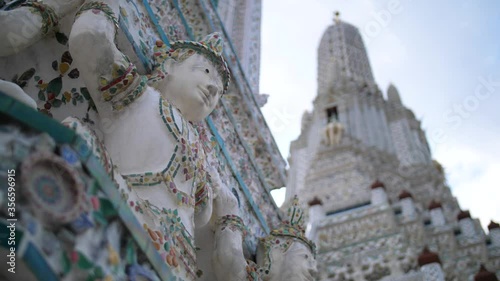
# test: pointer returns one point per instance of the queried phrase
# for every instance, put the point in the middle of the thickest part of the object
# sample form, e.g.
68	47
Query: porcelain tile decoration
150	144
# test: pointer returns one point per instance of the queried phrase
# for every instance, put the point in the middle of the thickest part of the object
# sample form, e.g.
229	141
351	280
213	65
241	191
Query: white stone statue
285	254
25	24
333	133
147	129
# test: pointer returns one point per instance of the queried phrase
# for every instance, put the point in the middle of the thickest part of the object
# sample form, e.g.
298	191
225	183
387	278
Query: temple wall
235	135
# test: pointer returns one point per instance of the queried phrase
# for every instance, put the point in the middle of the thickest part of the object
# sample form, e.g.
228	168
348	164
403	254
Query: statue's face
296	264
194	86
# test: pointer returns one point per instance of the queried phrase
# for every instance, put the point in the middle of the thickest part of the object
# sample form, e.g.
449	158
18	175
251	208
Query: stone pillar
316	214
407	205
436	212
379	196
494	233
485	275
430	266
466	224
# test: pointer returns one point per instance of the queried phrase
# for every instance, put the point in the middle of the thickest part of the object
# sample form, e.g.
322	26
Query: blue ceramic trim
214	130
135	6
36	262
252	160
244	187
240	68
247	149
183	19
144	60
155	22
250	156
31	117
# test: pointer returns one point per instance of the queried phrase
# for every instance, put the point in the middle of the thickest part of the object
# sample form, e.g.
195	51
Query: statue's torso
159	156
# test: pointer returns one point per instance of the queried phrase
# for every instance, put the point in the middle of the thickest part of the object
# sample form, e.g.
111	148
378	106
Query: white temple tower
384	199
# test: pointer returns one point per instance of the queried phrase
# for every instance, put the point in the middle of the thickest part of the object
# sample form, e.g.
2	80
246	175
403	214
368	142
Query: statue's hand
225	203
216	182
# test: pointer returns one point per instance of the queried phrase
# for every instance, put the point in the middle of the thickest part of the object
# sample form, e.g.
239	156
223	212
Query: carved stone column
466	224
316	214
430	266
407	205
494	229
379	196
436	212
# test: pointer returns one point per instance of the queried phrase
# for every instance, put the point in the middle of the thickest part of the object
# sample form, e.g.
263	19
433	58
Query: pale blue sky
437	54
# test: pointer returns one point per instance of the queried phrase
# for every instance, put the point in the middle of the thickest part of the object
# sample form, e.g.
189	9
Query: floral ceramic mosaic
47	73
65	217
169	19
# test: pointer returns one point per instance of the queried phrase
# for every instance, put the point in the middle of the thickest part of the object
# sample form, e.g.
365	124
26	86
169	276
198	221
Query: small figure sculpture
146	123
285	254
333	132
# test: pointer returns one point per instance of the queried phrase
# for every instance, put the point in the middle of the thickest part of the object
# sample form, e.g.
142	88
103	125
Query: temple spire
393	94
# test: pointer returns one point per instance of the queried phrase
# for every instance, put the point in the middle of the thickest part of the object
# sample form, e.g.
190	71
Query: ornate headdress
290	230
210	47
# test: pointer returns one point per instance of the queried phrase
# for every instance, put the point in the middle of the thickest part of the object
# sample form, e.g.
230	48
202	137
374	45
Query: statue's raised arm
107	72
26	22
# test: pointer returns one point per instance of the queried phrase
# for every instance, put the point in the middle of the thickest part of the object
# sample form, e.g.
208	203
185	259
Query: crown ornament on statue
294	215
210	47
290	230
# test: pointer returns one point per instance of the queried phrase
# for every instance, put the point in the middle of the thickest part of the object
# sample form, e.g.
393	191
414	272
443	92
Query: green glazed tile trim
39	267
5	104
97	171
36	120
81	147
61	134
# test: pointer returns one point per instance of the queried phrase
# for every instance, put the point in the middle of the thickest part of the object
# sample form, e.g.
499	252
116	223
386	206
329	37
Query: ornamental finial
337	16
294	215
292	227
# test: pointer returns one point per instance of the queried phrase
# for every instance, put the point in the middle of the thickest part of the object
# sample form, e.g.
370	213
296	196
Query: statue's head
192	75
286	254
